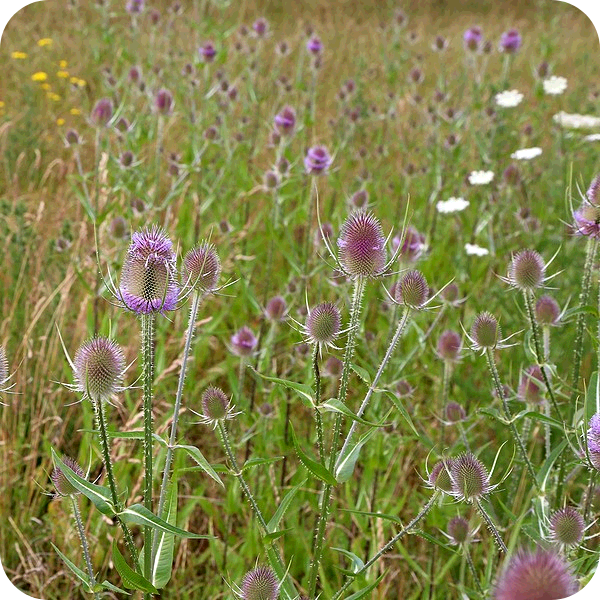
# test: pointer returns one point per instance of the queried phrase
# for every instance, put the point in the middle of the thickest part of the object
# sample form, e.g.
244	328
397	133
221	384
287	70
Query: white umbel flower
555	85
509	98
475	250
481	177
594	137
452	205
575	121
526	153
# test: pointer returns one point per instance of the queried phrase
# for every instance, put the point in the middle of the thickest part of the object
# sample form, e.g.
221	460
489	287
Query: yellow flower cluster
19	55
78	82
44	42
62	74
39	76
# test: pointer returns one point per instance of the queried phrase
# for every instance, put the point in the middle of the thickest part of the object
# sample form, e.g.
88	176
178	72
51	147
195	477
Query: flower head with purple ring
587	220
593	441
285	120
243	342
207	52
135	7
148	282
473	38
261	27
314	45
510	41
317	160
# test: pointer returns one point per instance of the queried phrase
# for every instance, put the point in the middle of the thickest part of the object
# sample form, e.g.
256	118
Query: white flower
575	121
555	85
526	153
481	177
594	137
452	205
475	250
509	98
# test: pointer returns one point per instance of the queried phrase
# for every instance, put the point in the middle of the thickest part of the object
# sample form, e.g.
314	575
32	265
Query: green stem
318	418
467	555
491	526
148	322
84	545
388	546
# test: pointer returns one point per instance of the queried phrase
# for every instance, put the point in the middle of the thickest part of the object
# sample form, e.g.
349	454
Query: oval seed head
260	584
593	441
412	290
536	575
470	479
276	308
439	478
61	483
458	530
449	345
531	385
360	198
163	102
547	311
215	404
362	245
202	268
102	112
450	293
99	366
567	527
527	270
317	160
243	342
454	412
148	278
485	330
333	367
323	323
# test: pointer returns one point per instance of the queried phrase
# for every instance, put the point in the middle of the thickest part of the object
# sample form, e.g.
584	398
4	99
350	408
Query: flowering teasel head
510	41
440	477
62	485
361	245
593	441
163	102
410	245
323	324
470	479
243	342
207	52
473	38
317	160
216	407
148	282
98	368
261	27
314	45
593	192
531	386
102	112
547	311
567	527
260	584
285	120
202	268
454	412
449	345
458	530
412	290
536	575
485	332
527	271
276	309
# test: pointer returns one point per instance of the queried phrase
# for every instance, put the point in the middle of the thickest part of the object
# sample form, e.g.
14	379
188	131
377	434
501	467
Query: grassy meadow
113	120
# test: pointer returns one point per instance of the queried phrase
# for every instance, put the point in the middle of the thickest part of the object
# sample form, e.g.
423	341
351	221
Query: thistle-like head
62	485
202	268
470	479
260	584
567	527
323	324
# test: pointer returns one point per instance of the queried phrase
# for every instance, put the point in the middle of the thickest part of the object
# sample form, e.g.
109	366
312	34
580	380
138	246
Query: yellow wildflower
60	121
81	82
39	76
62	64
18	54
1	104
74	80
75	111
53	96
44	42
46	86
62	74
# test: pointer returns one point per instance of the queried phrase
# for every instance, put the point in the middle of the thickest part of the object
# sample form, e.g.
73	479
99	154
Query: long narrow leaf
315	468
131	579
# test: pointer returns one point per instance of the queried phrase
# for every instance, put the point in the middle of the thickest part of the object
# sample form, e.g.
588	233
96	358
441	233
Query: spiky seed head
148	282
360	199
404	389
458	530
593	441
593	193
362	245
449	345
99	368
276	308
102	112
333	367
285	121
202	268
527	270
485	330
412	290
317	160
439	478
271	180
323	323
215	404
163	102
470	479
62	485
547	311
567	526
260	584
536	575
531	385
454	412
243	342
587	219
450	293
118	228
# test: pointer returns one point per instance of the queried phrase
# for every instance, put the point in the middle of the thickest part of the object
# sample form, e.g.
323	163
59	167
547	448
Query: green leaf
255	462
367	590
544	472
131	579
283	506
392	518
75	570
335	405
271	537
162	564
346	463
107	585
140	515
314	467
402	410
534	415
201	461
362	373
98	494
357	563
305	391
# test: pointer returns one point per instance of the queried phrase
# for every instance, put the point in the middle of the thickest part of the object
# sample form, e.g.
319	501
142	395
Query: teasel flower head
243	342
317	160
531	386
567	527
440	477
527	271
470	479
510	41
163	102
323	324
410	246
98	369
276	309
216	407
62	485
285	120
148	279
547	311
587	216
314	45
449	345
412	290
536	575
593	441
459	530
486	333
454	412
202	268
260	584
361	244
593	193
473	38
102	112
